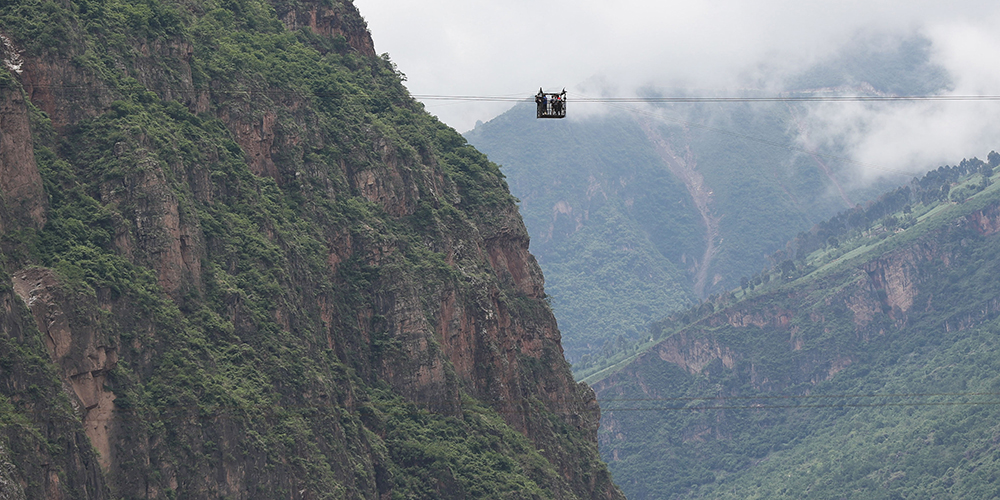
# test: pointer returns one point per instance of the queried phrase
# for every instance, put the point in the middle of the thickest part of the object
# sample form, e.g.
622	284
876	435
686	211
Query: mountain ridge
241	261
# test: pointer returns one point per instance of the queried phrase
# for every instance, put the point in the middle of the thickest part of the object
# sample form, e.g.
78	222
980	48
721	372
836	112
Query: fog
510	48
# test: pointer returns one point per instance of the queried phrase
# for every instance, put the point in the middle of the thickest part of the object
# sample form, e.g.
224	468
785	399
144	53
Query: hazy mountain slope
709	206
721	187
865	370
761	193
605	213
240	261
892	64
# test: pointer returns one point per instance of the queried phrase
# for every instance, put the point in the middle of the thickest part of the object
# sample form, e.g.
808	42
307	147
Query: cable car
550	104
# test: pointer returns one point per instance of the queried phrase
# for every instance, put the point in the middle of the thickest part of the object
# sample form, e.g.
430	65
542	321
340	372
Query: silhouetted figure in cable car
541	102
550	104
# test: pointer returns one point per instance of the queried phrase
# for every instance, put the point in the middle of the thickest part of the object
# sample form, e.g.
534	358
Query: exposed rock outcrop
20	183
338	19
158	231
51	455
10	489
986	221
694	355
77	344
62	89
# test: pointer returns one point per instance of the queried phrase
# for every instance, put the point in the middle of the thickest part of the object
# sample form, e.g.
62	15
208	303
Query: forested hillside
637	212
863	365
239	261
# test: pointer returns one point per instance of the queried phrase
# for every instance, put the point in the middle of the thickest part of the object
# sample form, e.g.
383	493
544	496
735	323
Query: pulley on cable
550	104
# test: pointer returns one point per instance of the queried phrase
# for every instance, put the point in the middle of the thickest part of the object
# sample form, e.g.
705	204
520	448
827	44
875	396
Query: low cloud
511	48
913	137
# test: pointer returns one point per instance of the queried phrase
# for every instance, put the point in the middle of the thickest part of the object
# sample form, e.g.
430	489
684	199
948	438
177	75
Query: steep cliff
824	381
241	261
20	185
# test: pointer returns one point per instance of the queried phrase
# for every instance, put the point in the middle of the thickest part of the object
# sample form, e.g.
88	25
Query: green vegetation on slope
848	239
868	373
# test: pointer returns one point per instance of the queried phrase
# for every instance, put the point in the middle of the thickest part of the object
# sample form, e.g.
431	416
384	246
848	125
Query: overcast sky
511	47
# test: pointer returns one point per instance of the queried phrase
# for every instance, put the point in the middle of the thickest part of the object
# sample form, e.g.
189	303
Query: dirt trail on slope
684	169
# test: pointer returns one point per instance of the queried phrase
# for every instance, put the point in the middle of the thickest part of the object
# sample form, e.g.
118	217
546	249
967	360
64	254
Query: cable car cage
550	104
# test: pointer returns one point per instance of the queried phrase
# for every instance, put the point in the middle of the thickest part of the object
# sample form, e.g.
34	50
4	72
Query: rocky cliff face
334	21
20	184
248	286
76	344
46	453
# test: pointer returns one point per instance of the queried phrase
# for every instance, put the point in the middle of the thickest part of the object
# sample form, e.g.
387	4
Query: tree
787	268
993	159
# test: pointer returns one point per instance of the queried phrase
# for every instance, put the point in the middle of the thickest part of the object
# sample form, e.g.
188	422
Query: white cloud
488	47
913	137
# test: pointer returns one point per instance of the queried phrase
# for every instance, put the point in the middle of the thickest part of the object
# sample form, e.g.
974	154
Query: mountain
866	368
240	261
601	206
637	212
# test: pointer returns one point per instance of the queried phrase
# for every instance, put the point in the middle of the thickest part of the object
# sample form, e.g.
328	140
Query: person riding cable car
550	104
